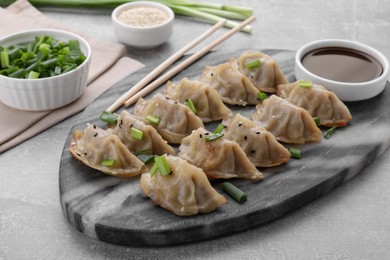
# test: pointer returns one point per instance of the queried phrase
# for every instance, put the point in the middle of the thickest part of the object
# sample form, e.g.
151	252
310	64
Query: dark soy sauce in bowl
342	64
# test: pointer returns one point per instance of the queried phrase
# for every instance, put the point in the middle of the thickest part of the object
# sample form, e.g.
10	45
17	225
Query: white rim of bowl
344	44
123	7
42	31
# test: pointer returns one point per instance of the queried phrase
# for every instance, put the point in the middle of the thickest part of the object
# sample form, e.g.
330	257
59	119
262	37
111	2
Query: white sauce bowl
45	93
344	90
142	37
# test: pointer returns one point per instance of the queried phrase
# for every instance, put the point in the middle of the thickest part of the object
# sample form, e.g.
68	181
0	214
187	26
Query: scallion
162	165
328	133
317	120
146	158
191	105
108	117
213	137
33	75
219	129
153	170
261	96
136	133
305	83
108	163
153	119
253	64
237	194
294	152
4	58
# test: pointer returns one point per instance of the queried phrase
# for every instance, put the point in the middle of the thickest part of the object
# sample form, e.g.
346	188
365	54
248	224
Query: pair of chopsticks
139	90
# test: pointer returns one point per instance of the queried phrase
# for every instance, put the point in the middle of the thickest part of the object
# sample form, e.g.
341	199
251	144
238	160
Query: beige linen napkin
108	66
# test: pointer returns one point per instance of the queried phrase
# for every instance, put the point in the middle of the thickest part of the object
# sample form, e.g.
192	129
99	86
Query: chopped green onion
237	194
162	165
146	151
153	119
108	117
295	152
219	129
305	84
136	134
253	64
329	132
108	163
146	158
153	170
4	58
43	54
261	96
210	138
191	105
33	75
317	120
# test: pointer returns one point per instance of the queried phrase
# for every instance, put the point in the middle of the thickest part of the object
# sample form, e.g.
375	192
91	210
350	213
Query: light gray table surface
352	222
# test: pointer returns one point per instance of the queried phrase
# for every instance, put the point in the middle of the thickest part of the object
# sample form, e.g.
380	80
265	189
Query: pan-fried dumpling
266	76
186	191
287	122
208	104
261	147
318	101
176	120
219	158
233	87
104	152
151	141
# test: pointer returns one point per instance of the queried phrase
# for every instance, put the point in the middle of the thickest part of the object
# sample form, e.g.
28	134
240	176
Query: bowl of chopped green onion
43	69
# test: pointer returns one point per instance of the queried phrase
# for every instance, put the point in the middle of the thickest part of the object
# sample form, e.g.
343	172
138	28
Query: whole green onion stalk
207	12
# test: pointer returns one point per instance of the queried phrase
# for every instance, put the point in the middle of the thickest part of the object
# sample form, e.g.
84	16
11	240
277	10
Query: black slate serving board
115	210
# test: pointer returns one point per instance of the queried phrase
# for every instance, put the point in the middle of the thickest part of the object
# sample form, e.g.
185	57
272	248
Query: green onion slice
108	163
33	75
153	170
253	64
146	158
162	165
237	194
305	84
4	59
136	134
219	129
329	132
191	105
261	96
317	120
110	118
295	152
153	119
213	137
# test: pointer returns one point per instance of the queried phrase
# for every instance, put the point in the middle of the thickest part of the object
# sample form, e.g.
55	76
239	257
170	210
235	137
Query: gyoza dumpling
104	152
266	76
287	122
318	102
176	120
186	191
261	147
151	142
233	87
208	104
219	158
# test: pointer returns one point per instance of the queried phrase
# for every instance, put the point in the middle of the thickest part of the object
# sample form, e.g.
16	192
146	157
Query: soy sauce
342	64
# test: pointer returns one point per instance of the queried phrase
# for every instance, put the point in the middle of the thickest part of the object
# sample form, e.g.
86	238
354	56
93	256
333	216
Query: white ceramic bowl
344	90
142	37
45	93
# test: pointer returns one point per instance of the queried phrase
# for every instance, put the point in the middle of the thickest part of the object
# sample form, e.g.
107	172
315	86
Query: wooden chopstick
158	70
187	62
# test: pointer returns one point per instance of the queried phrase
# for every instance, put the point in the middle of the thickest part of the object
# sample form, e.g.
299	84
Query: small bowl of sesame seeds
143	25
